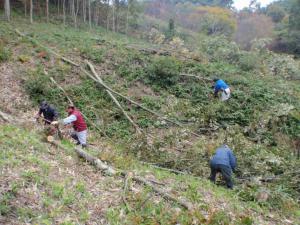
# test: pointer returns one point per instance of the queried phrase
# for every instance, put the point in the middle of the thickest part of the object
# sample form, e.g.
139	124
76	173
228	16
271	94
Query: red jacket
79	125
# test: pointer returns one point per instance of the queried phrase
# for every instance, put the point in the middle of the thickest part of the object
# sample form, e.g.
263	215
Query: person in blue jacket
223	161
221	86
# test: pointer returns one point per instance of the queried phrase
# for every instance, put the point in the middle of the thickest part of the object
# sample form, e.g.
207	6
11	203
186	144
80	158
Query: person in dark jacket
224	162
49	112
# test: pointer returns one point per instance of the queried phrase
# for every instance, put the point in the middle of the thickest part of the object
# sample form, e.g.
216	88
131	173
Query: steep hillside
260	123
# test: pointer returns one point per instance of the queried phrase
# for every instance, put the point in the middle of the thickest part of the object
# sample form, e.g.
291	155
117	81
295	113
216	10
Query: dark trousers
224	170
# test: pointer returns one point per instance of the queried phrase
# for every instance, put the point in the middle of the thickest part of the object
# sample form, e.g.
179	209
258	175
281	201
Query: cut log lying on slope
113	97
89	158
111	171
104	85
196	76
5	117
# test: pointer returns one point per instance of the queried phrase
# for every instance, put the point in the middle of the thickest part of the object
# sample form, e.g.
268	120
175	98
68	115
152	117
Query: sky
239	4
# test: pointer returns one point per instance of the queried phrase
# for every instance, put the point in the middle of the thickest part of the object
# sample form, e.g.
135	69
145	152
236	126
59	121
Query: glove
55	123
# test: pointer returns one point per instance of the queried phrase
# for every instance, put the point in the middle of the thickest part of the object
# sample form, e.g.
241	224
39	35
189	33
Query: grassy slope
213	203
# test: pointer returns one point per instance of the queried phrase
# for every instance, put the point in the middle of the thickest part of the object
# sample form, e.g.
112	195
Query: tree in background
252	26
214	20
294	28
276	12
7	9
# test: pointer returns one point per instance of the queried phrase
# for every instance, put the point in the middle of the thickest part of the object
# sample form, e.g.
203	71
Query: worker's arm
232	160
69	119
217	88
39	113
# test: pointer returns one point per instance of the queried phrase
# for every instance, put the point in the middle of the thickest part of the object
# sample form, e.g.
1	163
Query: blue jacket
224	156
220	85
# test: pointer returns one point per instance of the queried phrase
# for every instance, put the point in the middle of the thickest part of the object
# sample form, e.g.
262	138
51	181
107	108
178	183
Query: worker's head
43	104
70	109
215	79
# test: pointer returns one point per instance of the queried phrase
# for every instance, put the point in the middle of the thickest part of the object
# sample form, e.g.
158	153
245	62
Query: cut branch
113	97
195	76
185	204
5	117
65	93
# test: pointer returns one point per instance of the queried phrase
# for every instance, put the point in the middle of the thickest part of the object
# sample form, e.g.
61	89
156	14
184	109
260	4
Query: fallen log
197	77
5	117
111	171
89	158
185	204
166	169
113	98
65	93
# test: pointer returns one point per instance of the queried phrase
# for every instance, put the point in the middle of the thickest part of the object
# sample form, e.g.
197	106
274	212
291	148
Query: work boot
83	145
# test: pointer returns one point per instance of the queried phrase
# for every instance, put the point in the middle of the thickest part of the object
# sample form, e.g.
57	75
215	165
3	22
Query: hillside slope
45	185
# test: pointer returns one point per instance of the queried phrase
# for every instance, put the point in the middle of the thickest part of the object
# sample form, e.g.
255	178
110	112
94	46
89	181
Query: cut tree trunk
99	164
113	98
7	10
5	117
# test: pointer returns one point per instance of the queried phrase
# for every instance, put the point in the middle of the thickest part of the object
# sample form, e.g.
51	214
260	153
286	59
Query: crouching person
80	128
224	162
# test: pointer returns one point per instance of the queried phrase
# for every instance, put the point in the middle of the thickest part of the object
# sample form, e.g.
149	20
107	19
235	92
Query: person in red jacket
80	128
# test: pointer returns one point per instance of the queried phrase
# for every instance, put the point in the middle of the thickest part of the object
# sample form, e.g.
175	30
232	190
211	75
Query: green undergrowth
31	187
33	167
260	122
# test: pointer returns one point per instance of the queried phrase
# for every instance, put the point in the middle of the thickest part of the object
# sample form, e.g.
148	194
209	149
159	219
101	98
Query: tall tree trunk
47	10
84	10
64	11
113	12
73	11
58	7
107	16
90	16
25	7
117	9
127	17
31	11
7	10
76	12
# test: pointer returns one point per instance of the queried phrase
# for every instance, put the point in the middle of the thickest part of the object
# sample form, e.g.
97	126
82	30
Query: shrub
164	71
249	61
5	53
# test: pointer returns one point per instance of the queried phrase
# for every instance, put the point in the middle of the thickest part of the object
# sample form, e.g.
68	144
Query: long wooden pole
113	97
